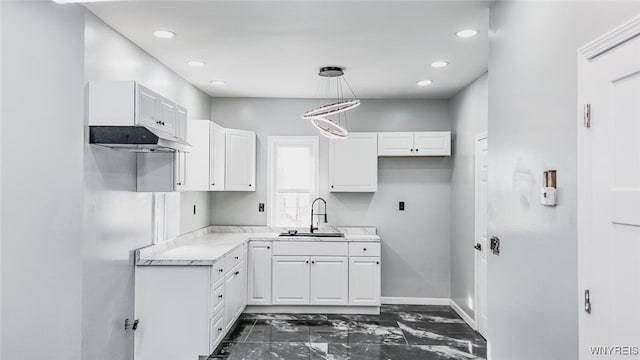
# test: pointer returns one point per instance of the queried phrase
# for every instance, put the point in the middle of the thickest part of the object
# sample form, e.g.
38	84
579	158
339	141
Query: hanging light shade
336	127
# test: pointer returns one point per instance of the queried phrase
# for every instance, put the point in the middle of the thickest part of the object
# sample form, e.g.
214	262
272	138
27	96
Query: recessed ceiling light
467	33
196	63
424	82
217	82
164	34
439	64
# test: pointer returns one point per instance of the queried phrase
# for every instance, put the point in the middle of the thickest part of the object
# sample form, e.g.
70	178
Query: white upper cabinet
240	169
217	154
424	143
127	103
197	161
395	144
353	163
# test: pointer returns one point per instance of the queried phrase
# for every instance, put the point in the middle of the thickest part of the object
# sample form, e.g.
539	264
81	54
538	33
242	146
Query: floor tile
241	330
263	351
278	331
326	351
424	335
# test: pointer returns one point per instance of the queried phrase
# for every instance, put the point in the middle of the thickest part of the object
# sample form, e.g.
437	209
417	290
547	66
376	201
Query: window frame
272	143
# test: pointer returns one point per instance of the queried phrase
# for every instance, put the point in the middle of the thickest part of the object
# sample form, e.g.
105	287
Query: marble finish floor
400	332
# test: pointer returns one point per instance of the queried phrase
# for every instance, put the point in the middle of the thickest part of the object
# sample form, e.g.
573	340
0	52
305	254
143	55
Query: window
293	179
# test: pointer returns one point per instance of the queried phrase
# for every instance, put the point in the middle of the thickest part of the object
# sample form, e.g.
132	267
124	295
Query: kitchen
206	247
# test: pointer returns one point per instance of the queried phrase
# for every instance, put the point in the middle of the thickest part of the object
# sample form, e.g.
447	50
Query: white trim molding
611	39
468	319
413	301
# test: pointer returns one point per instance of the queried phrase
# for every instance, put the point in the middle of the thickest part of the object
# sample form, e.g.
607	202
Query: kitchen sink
319	234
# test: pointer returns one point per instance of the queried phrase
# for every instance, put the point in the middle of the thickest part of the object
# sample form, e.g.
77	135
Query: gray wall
41	207
469	117
415	243
117	220
533	294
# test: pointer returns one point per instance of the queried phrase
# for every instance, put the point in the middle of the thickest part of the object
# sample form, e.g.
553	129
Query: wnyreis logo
615	350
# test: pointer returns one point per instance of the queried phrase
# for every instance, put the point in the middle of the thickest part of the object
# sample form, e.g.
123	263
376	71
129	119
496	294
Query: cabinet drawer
217	299
235	257
310	248
217	271
364	249
216	332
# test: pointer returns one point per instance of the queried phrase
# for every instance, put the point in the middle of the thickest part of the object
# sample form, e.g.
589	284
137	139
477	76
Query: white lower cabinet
259	271
290	280
185	311
364	281
329	281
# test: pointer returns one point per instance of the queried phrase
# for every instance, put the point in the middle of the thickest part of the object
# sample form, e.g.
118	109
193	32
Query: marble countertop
206	246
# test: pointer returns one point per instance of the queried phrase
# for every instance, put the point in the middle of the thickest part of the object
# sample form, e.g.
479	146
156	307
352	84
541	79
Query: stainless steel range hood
135	139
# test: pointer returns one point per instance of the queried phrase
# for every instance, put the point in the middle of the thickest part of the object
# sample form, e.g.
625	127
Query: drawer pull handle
220	270
219	329
377	262
237	257
307	261
237	272
220	296
365	249
313	262
268	247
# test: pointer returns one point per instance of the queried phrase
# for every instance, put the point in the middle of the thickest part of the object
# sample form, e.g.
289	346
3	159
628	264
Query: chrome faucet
312	214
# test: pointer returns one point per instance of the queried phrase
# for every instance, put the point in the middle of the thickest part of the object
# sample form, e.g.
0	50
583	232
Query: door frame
476	224
599	46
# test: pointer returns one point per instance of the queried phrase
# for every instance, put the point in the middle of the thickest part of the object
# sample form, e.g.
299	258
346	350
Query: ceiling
275	48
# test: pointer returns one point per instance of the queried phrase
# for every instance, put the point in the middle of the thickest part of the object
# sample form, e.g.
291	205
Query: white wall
415	243
533	294
42	141
117	220
469	117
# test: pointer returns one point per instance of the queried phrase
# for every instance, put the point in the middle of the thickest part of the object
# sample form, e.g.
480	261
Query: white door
364	281
217	153
353	163
240	160
432	143
290	280
329	280
180	170
197	161
395	144
259	288
168	113
609	204
181	122
480	241
146	108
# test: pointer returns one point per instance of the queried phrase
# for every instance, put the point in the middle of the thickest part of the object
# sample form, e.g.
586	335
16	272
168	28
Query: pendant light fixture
331	119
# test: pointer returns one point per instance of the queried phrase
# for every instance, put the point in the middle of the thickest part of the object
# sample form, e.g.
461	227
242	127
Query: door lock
478	247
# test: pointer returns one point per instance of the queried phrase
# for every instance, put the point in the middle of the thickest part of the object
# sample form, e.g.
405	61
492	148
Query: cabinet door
167	115
231	290
329	281
240	160
432	143
290	280
241	288
146	108
259	265
197	161
181	123
353	163
364	281
180	171
395	144
217	153
216	332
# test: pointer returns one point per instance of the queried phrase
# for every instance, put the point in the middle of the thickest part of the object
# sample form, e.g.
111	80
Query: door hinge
131	325
587	115
587	301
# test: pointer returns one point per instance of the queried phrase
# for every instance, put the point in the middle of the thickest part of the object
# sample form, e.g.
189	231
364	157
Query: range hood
136	139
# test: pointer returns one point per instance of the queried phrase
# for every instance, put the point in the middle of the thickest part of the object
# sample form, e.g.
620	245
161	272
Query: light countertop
206	246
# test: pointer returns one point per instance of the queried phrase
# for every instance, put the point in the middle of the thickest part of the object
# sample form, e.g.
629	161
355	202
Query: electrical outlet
261	207
194	209
401	206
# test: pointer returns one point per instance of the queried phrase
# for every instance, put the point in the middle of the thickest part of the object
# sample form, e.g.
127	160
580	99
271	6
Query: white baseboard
414	301
468	319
